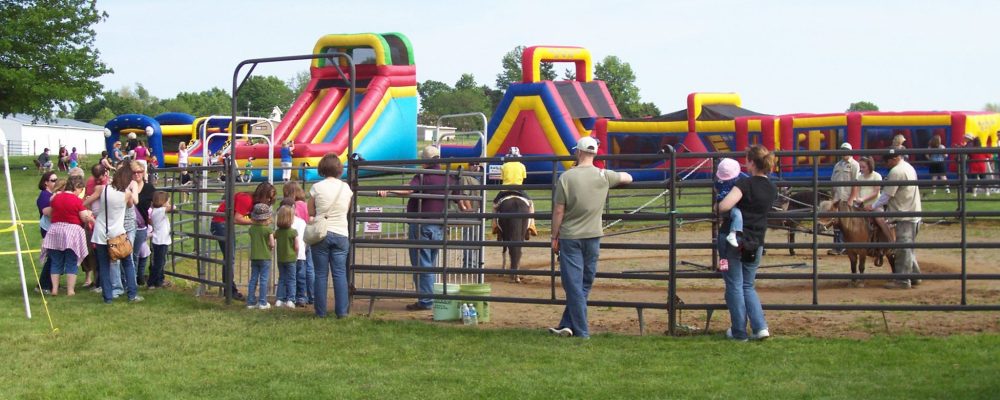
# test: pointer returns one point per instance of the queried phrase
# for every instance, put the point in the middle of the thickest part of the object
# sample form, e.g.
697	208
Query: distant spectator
74	159
846	170
63	158
937	167
977	168
286	160
43	160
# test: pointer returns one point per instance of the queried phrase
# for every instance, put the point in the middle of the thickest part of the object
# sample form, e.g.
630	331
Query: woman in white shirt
113	200
331	199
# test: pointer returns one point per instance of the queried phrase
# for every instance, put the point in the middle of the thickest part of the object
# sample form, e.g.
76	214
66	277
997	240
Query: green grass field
174	345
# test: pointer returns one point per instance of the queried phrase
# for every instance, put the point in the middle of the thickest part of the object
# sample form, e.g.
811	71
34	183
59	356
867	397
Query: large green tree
262	94
992	107
47	55
862	106
620	79
511	69
437	99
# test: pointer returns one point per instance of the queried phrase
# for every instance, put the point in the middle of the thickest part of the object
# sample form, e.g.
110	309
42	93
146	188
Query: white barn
27	136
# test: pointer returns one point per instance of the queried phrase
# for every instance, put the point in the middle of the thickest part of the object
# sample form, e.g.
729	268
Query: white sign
371	226
494	171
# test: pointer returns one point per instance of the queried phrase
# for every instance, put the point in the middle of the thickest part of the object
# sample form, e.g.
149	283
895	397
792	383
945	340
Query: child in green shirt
288	251
261	245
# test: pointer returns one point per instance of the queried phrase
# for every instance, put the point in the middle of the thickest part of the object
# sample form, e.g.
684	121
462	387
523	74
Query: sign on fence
494	170
370	226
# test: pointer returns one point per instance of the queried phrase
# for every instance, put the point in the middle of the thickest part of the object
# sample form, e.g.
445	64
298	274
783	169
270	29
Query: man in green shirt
577	231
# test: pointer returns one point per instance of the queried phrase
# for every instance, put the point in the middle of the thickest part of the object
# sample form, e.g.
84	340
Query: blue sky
780	56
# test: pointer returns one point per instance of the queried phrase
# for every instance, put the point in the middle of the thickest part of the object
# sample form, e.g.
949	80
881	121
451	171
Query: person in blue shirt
286	160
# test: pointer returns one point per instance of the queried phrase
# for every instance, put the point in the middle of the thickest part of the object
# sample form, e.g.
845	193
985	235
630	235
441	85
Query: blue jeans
108	277
63	262
305	278
157	266
736	216
259	271
577	267
424	257
330	257
286	281
140	262
741	296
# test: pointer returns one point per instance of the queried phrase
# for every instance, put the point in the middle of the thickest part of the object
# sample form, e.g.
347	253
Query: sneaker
239	296
562	332
731	239
300	304
729	335
761	335
417	307
947	190
279	303
835	252
915	282
136	299
264	306
897	285
251	307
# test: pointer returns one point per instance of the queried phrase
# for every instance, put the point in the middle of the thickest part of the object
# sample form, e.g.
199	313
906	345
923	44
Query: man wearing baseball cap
846	170
433	230
577	231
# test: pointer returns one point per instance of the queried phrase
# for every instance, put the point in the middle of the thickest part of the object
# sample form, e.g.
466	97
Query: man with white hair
846	170
577	231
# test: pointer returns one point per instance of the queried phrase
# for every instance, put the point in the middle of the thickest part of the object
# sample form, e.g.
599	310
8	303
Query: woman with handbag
109	233
754	197
326	233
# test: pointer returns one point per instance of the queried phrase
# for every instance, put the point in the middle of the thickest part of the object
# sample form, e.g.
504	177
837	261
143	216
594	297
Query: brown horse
512	229
859	230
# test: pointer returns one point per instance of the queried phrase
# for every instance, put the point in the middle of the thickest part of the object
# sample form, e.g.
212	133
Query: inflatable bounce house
385	111
547	117
540	117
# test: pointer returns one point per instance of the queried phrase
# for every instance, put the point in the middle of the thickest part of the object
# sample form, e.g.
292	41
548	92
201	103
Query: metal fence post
815	238
672	285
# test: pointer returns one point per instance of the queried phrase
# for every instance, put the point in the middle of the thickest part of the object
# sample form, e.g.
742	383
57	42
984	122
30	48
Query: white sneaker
264	306
564	332
289	304
731	238
279	304
251	307
729	335
761	335
947	190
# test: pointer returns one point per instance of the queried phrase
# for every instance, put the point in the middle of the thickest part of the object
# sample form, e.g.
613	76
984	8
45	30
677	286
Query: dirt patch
853	324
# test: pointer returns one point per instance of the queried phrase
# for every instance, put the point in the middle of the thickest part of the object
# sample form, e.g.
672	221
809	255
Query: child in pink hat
726	176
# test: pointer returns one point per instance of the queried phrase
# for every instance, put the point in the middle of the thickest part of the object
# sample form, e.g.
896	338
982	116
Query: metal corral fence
379	266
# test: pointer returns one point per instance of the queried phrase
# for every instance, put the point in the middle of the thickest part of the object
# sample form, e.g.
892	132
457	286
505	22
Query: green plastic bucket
446	310
482	307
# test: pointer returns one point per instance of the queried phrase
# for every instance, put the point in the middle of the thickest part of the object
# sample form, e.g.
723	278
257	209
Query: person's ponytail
762	158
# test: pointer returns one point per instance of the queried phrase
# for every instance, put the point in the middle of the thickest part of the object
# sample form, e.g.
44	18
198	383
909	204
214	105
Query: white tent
28	136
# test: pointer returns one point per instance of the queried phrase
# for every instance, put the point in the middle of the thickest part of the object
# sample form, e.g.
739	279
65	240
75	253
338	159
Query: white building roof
27	120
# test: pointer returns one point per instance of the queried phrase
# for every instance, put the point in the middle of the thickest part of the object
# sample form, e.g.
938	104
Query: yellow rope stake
38	284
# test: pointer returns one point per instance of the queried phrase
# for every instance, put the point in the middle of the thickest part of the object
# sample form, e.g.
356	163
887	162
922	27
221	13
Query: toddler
161	237
261	245
288	250
726	175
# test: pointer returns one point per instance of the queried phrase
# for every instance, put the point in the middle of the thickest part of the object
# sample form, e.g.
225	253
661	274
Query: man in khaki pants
902	199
